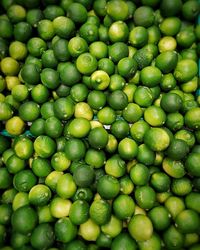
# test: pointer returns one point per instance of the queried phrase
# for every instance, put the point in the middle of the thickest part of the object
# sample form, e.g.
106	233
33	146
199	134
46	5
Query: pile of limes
99	125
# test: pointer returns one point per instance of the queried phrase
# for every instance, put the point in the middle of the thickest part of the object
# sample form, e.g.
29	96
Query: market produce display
99	125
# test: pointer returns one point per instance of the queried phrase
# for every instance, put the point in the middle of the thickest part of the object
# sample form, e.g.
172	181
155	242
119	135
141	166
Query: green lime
170	26
20	200
144	16
89	32
64	27
23	148
98	137
127	67
22	31
60	162
145	197
98	49
126	185
192	164
143	96
188	221
77	46
123	240
150	76
190	10
20	92
75	149
100	80
16	13
152	244
103	240
172	237
100	211
40	93
168	82
50	78
36	46
128	148
89	230
139	174
60	207
145	155
48	59
24	219
192	201
14	164
6	212
83	175
45	29
69	74
117	51
15	125
83	194
138	130
17	50
111	146
174	205
6	28
18	240
44	146
39	195
123	206
160	217
79	212
86	63
42	236
138	36
77	12
95	158
185	70
177	149
24	111
6	111
185	38
181	186
120	129
160	181
191	118
167	43
157	139
117	100
78	92
65	230
113	227
41	167
186	136
117	10
37	127
60	49
173	168
9	66
63	181
24	180
106	115
63	108
106	65
154	116
96	99
140	227
170	8
118	32
6	178
174	121
53	127
117	82
108	187
115	166
83	110
30	74
166	61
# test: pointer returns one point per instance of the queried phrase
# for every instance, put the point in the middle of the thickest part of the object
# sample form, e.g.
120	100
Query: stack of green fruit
100	125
